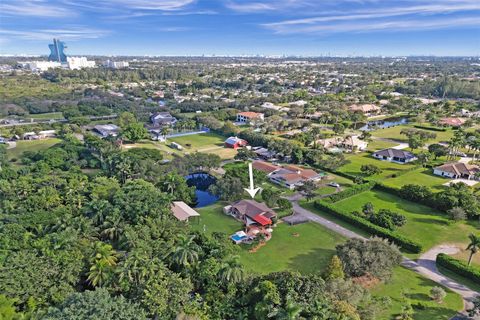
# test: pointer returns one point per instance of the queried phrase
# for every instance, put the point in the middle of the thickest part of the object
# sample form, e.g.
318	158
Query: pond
382	124
201	182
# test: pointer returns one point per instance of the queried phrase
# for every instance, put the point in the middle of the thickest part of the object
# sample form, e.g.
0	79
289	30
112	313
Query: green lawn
306	248
417	290
357	160
424	224
420	176
199	141
45	116
394	133
380	144
27	145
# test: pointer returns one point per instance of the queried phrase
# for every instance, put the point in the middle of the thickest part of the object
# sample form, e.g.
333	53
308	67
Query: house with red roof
235	143
452	122
249	117
251	213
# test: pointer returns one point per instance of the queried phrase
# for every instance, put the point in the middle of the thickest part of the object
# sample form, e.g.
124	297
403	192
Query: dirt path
425	265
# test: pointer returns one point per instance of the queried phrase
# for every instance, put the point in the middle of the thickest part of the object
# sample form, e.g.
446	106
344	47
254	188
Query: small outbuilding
182	211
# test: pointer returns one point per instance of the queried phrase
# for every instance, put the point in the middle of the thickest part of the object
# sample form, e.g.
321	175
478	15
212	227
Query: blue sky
237	27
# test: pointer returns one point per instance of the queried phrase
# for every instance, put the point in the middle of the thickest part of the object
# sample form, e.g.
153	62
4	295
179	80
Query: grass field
420	176
394	133
27	145
417	290
424	225
357	160
45	116
375	145
206	143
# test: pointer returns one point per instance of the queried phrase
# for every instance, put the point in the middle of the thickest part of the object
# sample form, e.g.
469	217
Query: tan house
457	170
366	109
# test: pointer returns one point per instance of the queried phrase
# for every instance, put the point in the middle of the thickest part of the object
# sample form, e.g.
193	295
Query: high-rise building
74	63
56	51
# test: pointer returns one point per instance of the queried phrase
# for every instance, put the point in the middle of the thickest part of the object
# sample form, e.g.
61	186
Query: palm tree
473	246
290	312
185	253
231	270
99	273
103	261
170	183
164	132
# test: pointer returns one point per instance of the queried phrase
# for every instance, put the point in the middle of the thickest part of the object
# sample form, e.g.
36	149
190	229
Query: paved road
425	266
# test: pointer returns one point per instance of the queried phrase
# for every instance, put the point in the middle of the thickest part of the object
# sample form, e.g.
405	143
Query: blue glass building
56	51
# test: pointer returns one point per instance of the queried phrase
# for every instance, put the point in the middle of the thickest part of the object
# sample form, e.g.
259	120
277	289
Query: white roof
183	211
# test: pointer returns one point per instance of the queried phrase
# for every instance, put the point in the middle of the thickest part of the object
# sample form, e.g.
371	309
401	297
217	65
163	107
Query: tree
228	188
475	310
370	169
334	269
437	150
338	128
231	270
125	119
368	209
308	189
438	294
185	252
376	257
102	263
424	158
473	246
8	310
457	214
96	304
135	132
244	154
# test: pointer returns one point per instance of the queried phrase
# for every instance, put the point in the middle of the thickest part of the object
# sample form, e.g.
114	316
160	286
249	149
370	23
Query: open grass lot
199	141
420	176
45	116
306	248
33	145
168	152
394	133
417	290
375	145
357	160
464	254
424	225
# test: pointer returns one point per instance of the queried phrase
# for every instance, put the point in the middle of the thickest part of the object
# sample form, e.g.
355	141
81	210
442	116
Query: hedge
430	128
347	193
459	267
403	242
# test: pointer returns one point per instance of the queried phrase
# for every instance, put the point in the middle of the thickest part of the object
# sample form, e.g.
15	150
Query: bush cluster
459	267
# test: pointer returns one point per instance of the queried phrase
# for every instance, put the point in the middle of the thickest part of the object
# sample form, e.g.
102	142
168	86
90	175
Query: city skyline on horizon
301	28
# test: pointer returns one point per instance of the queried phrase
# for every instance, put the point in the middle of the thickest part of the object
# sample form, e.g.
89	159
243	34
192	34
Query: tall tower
56	51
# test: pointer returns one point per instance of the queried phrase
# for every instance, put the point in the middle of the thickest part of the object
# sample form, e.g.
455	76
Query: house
46	134
159	119
452	122
182	211
394	155
235	143
291	176
457	170
265	167
106	130
175	145
263	153
271	106
250	117
251	212
30	136
366	109
353	143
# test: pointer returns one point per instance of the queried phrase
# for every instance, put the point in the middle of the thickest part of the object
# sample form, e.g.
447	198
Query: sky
243	27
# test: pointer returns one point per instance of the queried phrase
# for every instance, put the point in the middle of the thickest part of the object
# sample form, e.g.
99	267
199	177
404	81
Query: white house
394	155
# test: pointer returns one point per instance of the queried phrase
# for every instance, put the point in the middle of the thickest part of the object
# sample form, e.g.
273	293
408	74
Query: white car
334	184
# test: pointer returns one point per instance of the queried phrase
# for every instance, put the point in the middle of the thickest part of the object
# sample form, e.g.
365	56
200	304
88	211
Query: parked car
334	184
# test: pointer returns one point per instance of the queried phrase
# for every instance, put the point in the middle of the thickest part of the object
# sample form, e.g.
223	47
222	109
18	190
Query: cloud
441	14
162	5
75	33
33	8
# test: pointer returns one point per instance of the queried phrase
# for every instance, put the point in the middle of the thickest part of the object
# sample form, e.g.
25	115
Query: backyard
357	160
420	176
30	145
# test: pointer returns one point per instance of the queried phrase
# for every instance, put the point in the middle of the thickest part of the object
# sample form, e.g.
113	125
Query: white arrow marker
252	190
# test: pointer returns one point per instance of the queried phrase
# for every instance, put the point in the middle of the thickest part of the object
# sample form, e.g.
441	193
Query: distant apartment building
56	51
41	65
116	64
75	63
249	117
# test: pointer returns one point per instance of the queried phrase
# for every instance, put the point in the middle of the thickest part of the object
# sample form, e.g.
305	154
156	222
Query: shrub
438	294
353	190
403	242
457	214
459	267
430	128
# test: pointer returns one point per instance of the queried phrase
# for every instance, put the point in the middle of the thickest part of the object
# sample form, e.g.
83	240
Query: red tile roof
250	114
265	166
264	221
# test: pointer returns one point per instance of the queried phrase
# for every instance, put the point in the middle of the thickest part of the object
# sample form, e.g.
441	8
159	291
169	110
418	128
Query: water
382	124
201	182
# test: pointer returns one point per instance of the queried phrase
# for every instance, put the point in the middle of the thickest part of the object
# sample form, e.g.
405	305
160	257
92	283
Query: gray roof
395	153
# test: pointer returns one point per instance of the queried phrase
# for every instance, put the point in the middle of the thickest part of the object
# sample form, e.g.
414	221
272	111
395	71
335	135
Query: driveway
425	265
